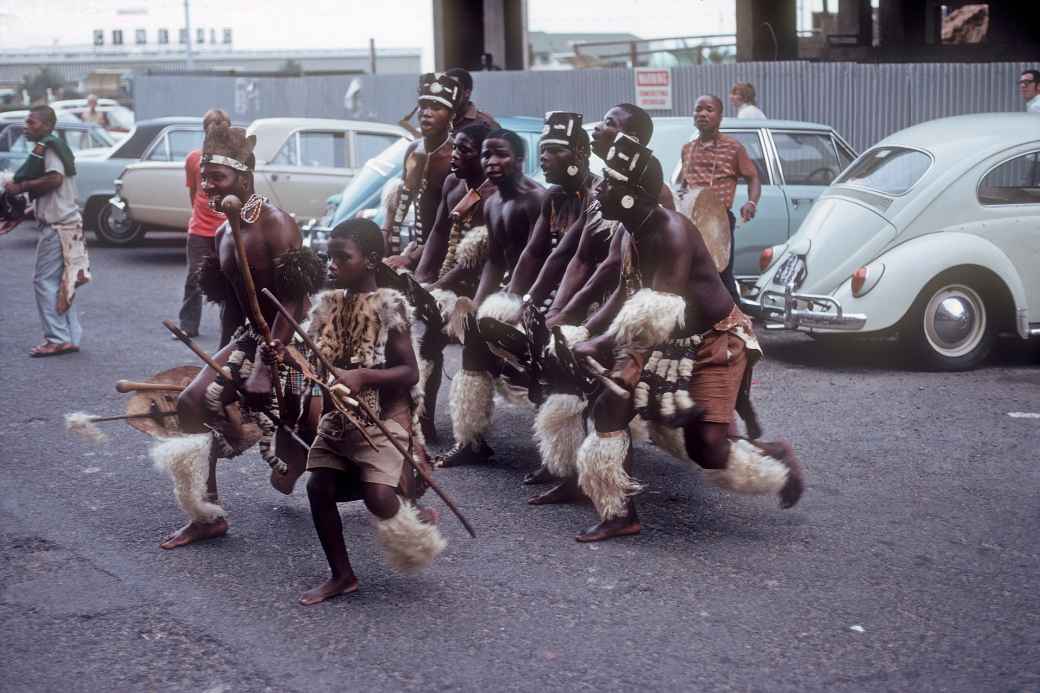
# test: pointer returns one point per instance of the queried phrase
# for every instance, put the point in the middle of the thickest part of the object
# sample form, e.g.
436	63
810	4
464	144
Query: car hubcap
118	222
955	321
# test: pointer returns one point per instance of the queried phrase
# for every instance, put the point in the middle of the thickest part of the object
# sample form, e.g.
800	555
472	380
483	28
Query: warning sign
654	88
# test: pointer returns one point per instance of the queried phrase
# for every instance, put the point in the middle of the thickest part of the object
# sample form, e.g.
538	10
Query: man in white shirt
1029	88
742	96
48	176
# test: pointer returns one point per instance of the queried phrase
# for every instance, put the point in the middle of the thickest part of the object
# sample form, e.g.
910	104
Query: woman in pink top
202	229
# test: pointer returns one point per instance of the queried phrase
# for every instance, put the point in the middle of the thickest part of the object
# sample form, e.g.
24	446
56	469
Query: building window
212	35
182	36
140	37
200	36
99	37
227	36
164	36
117	37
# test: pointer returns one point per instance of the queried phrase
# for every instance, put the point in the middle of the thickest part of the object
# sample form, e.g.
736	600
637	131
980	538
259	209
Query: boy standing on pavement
202	230
48	176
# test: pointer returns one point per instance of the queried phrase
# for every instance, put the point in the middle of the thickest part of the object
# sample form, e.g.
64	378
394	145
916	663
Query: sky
276	24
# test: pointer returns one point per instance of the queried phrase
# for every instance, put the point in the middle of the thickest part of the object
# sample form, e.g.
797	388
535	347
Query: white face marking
628	202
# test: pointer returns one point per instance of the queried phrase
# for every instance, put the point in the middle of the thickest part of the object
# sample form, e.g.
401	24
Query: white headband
224	161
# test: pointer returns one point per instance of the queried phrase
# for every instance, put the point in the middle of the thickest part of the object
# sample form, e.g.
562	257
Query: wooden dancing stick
133	386
372	417
128	417
597	371
208	360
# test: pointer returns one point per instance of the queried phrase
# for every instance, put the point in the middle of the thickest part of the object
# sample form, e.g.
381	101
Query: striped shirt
713	165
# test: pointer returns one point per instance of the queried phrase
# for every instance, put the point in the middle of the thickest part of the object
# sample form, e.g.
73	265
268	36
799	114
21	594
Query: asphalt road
910	564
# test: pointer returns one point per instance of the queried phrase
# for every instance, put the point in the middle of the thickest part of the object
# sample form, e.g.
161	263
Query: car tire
951	326
114	227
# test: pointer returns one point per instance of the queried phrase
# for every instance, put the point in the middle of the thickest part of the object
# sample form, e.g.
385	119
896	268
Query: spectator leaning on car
468	113
716	161
202	230
742	96
92	114
1029	87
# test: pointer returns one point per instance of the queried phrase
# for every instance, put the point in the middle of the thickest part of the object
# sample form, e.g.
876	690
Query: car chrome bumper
792	311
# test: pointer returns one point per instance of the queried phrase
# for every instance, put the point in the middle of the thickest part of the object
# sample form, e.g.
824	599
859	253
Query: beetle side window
286	156
807	158
1014	182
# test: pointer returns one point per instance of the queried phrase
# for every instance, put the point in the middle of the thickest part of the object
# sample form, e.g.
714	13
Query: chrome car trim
791	317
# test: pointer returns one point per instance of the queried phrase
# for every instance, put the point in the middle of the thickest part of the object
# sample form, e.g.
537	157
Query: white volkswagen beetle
933	233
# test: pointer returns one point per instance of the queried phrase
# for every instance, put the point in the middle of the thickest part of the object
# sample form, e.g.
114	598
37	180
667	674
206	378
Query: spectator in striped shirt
717	161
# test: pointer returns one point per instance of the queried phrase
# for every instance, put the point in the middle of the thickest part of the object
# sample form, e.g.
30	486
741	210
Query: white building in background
119	37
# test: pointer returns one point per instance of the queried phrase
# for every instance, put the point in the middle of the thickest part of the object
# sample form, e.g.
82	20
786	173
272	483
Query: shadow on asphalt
850	353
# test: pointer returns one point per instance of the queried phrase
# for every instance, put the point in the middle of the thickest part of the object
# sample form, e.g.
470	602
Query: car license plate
789	270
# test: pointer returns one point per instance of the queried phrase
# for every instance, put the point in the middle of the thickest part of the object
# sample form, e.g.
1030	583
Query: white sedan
933	233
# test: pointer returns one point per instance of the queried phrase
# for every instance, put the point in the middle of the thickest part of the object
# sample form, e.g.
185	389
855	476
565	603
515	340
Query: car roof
521	123
271	132
743	123
964	139
135	144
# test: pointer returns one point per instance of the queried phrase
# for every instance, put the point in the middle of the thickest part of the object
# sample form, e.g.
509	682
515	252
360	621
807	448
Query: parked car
300	162
85	141
795	160
160	139
933	233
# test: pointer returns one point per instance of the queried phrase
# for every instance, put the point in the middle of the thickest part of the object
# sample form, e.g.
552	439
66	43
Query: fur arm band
297	274
502	306
647	319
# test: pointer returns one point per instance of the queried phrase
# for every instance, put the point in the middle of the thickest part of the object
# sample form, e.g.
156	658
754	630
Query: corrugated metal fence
864	102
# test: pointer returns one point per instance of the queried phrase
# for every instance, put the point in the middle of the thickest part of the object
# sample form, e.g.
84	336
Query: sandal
52	349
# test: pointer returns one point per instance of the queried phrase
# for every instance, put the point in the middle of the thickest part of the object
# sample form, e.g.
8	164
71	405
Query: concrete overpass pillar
767	30
463	30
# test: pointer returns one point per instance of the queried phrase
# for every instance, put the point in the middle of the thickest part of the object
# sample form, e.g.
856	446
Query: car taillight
765	259
859	279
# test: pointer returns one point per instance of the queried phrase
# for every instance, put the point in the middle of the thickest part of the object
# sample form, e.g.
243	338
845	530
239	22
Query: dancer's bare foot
428	516
285	483
792	491
539	476
195	531
622	526
330	588
566	491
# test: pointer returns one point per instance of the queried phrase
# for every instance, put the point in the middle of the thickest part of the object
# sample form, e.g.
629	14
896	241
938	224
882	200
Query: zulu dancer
276	261
454	254
593	267
365	333
511	213
427	163
468	113
673	337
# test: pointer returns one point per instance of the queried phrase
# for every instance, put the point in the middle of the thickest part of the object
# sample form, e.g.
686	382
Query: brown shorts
718	372
338	445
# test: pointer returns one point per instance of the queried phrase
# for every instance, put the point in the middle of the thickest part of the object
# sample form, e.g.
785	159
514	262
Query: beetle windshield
363	191
889	170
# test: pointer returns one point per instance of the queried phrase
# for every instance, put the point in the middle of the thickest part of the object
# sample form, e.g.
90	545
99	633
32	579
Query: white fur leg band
647	319
749	470
602	475
502	306
186	460
409	544
559	432
472	403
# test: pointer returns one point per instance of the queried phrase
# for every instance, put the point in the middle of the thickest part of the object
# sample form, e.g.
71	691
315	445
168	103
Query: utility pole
187	30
